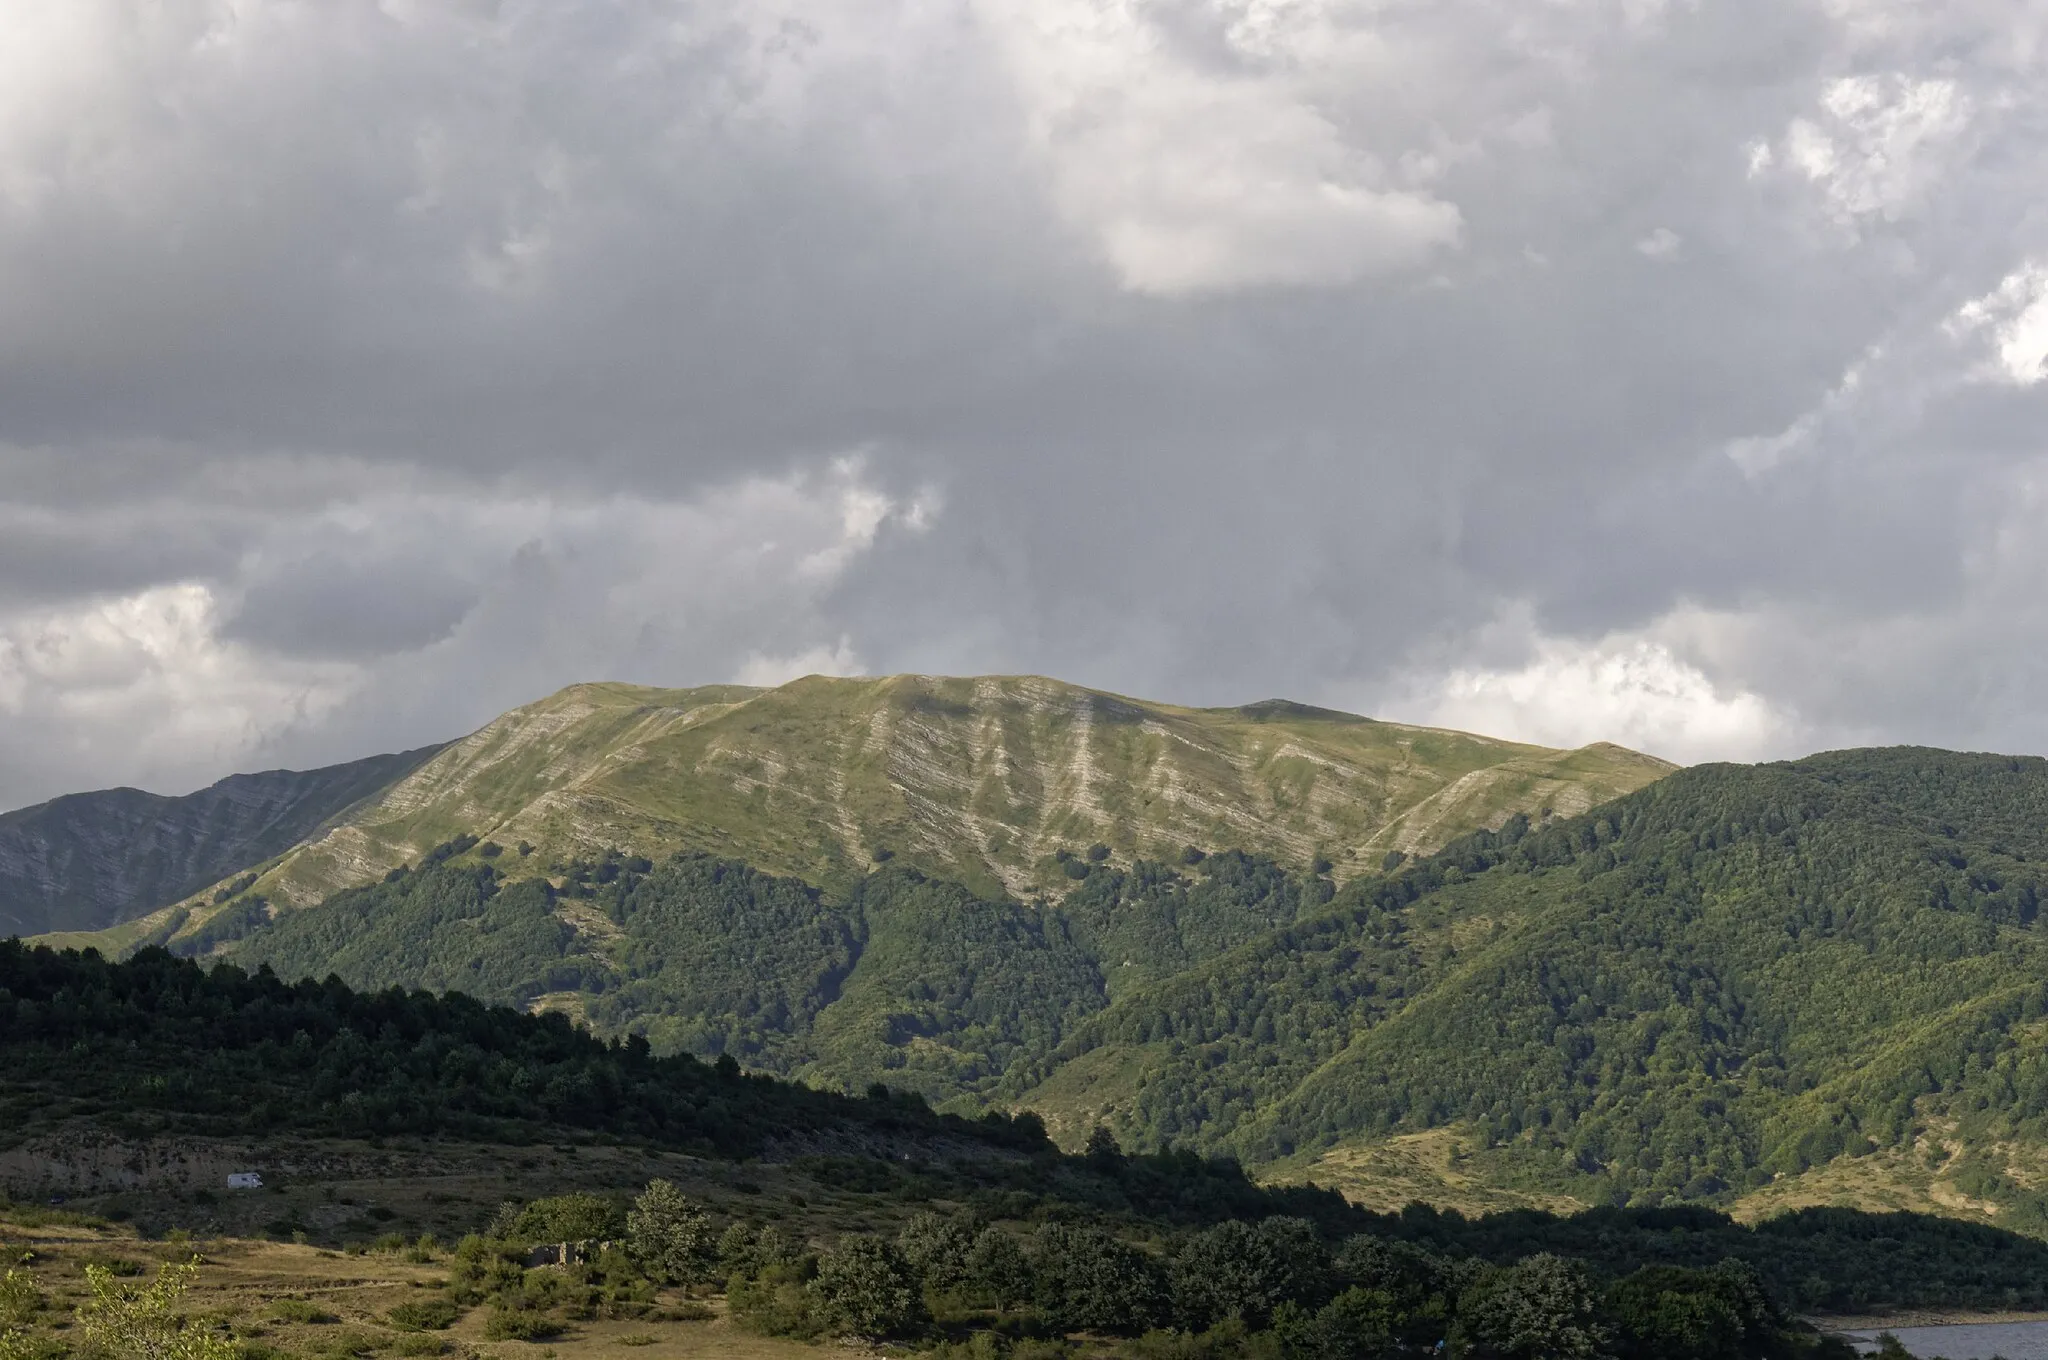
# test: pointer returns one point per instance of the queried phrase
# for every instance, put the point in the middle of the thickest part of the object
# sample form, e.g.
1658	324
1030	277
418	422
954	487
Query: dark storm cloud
1643	370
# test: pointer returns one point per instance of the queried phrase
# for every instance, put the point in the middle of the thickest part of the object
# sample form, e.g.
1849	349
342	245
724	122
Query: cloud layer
1625	369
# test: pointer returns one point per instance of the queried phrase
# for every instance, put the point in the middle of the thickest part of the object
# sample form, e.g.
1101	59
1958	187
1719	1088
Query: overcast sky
1658	372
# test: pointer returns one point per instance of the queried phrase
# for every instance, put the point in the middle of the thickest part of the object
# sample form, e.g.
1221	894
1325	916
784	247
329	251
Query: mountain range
1401	961
980	781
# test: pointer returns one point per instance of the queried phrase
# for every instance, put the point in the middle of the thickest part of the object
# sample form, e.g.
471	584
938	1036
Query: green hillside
982	782
1819	981
1728	979
908	980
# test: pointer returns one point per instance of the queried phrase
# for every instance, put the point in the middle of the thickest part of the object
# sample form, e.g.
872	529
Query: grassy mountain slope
978	781
1730	977
93	860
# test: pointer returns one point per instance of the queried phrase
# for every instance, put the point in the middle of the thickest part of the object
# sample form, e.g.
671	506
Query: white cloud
2015	316
144	685
1207	171
172	685
1877	146
1634	691
838	658
1661	244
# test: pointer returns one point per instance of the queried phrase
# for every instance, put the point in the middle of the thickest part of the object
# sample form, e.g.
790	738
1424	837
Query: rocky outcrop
92	860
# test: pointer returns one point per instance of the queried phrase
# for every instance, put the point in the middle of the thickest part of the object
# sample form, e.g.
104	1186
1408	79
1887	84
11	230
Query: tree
937	1249
1103	1152
142	1322
669	1236
1085	1278
997	1268
866	1288
1249	1269
1358	1322
1670	1313
565	1218
1541	1308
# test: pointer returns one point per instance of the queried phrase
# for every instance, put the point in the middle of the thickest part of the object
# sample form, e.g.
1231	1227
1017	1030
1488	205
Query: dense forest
910	980
156	1044
1737	973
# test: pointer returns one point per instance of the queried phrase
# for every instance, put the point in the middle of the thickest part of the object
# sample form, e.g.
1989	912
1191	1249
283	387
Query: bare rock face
87	861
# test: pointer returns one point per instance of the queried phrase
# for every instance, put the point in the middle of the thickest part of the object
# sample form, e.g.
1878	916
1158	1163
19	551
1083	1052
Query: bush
1670	1313
775	1301
301	1310
485	1268
20	1300
997	1269
143	1320
866	1288
425	1315
520	1324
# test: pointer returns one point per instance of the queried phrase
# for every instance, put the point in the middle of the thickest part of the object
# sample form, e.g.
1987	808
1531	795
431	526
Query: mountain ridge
87	861
983	780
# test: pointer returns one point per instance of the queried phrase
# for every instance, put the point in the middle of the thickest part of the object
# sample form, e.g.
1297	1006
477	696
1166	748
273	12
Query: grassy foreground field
312	1301
358	1210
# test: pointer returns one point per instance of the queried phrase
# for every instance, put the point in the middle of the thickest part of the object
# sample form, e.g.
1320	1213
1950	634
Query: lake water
1979	1341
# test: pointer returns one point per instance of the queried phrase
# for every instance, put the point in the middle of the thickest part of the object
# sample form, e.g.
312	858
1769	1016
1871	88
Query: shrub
775	1302
143	1321
118	1266
1248	1270
425	1315
566	1218
1671	1313
997	1269
520	1324
300	1310
20	1300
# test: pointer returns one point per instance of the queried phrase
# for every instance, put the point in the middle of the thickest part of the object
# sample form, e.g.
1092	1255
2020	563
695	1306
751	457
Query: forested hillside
1732	976
1104	1242
911	980
158	1045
